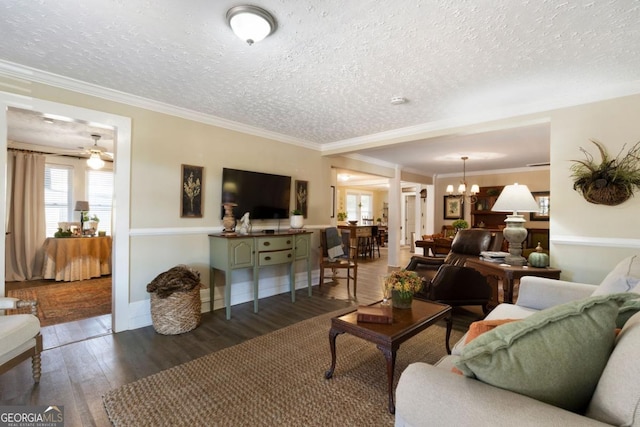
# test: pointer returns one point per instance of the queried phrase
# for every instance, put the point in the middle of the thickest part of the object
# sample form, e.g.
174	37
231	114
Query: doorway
122	172
409	222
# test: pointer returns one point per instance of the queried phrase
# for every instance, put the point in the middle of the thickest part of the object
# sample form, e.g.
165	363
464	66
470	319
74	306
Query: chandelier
462	188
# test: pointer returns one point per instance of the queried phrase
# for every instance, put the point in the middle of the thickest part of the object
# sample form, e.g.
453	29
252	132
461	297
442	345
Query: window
359	206
100	197
57	196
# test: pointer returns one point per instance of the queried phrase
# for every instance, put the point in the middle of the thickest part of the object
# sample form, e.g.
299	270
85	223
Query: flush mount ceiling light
398	100
251	23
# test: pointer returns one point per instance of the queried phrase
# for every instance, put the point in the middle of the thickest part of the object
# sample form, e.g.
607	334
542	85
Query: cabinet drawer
277	257
274	243
363	232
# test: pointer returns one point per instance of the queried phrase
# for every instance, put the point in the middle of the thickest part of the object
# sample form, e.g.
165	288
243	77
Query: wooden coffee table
388	337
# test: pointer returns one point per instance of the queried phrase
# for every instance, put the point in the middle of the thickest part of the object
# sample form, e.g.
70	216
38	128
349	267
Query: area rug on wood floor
60	302
275	380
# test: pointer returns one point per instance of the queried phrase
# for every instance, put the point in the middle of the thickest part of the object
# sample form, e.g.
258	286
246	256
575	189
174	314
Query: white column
394	225
430	210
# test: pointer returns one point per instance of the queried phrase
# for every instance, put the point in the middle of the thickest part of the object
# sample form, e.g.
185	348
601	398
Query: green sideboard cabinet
228	252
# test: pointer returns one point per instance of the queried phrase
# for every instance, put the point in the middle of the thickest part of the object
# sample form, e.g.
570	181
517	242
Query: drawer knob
267	243
288	255
288	242
267	258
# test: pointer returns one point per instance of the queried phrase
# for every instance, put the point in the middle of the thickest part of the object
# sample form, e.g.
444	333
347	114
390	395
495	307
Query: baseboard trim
140	311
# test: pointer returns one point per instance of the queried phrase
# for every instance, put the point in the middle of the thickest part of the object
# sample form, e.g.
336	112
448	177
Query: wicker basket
176	314
610	195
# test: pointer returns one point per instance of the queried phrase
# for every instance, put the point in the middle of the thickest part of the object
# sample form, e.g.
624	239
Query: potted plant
459	224
612	180
403	285
342	216
297	219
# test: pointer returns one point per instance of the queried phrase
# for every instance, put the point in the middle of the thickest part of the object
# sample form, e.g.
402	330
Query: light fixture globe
251	23
94	161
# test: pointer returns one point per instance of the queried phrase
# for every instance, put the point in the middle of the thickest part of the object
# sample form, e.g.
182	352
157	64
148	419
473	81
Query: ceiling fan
96	153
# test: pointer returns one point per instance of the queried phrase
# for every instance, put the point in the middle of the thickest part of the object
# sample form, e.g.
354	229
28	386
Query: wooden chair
348	261
20	337
441	246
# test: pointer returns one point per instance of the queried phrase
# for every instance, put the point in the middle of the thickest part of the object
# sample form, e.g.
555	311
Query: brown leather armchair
447	280
467	243
456	285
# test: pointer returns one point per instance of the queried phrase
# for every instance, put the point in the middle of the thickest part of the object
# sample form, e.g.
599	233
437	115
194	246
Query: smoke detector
397	100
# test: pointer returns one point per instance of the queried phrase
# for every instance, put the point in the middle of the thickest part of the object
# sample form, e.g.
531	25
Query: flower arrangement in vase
403	285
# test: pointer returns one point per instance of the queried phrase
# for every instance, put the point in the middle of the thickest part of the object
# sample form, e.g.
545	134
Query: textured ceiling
328	73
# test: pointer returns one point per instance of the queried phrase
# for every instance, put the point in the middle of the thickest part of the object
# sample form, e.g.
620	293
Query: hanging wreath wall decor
612	180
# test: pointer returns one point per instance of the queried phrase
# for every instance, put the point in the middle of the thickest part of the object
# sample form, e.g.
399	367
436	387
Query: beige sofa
435	396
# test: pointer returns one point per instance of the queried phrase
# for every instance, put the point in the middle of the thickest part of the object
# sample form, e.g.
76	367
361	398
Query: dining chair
338	254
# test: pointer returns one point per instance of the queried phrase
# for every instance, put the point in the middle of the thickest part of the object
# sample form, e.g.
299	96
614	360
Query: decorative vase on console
297	219
228	221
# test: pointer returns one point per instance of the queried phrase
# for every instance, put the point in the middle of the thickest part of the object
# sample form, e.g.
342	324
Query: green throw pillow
556	355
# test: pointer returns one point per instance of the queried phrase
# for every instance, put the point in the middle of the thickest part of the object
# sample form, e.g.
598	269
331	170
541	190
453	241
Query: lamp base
515	234
515	260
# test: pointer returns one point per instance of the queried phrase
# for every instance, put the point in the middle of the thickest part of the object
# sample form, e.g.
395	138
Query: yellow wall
536	179
159	238
587	240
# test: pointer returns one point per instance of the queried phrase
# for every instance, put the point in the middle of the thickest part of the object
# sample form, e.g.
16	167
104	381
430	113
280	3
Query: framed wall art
301	196
543	200
333	201
453	207
191	199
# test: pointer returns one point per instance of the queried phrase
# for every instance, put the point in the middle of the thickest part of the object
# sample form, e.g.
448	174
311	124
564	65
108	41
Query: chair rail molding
611	242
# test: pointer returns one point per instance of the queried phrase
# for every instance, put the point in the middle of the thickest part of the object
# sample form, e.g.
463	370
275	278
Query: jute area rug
60	302
275	380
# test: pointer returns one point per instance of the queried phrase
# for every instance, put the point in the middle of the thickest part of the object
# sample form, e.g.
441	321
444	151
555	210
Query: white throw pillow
624	277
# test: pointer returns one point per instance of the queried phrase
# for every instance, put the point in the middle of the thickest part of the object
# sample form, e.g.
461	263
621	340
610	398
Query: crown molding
28	74
514	111
491	172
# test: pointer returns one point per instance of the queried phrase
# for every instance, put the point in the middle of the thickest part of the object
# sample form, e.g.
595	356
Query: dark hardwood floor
82	360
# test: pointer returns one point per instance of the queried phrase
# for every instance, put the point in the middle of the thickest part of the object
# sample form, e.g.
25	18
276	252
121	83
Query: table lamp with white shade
515	198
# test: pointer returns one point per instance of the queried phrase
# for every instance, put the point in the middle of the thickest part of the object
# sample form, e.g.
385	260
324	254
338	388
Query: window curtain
26	217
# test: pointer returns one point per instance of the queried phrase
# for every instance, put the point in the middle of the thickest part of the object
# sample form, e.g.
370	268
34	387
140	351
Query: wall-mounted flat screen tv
263	195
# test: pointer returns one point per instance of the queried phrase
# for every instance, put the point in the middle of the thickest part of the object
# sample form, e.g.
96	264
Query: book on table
493	256
375	314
